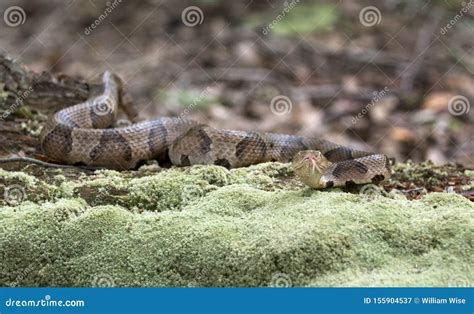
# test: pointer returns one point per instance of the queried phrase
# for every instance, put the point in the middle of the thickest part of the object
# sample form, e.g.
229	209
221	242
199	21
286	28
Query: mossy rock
208	226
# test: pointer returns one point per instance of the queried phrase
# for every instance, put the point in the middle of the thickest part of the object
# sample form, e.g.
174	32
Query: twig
45	164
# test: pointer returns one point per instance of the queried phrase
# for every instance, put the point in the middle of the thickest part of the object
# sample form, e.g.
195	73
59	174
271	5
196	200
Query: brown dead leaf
437	101
401	134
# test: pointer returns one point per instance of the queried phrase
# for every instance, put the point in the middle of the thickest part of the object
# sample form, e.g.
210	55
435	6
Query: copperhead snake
81	134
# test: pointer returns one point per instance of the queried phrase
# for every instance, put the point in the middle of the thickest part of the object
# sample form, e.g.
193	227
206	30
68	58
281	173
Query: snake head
309	166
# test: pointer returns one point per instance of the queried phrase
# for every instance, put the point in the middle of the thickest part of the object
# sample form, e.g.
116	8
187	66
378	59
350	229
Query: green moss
16	187
174	188
305	19
18	177
206	226
239	236
296	18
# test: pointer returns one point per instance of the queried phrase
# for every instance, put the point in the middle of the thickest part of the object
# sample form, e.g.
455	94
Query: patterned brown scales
82	134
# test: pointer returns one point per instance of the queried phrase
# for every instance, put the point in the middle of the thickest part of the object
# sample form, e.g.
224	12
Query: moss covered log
208	226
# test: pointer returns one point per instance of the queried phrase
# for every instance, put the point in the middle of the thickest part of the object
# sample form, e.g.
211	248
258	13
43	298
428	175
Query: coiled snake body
81	135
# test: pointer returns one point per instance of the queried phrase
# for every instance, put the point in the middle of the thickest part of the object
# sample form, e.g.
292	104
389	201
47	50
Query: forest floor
388	88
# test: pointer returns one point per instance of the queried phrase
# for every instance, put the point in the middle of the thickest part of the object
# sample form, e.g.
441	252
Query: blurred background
390	76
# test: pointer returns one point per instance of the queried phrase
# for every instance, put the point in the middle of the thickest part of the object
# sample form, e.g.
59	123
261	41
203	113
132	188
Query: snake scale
82	134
